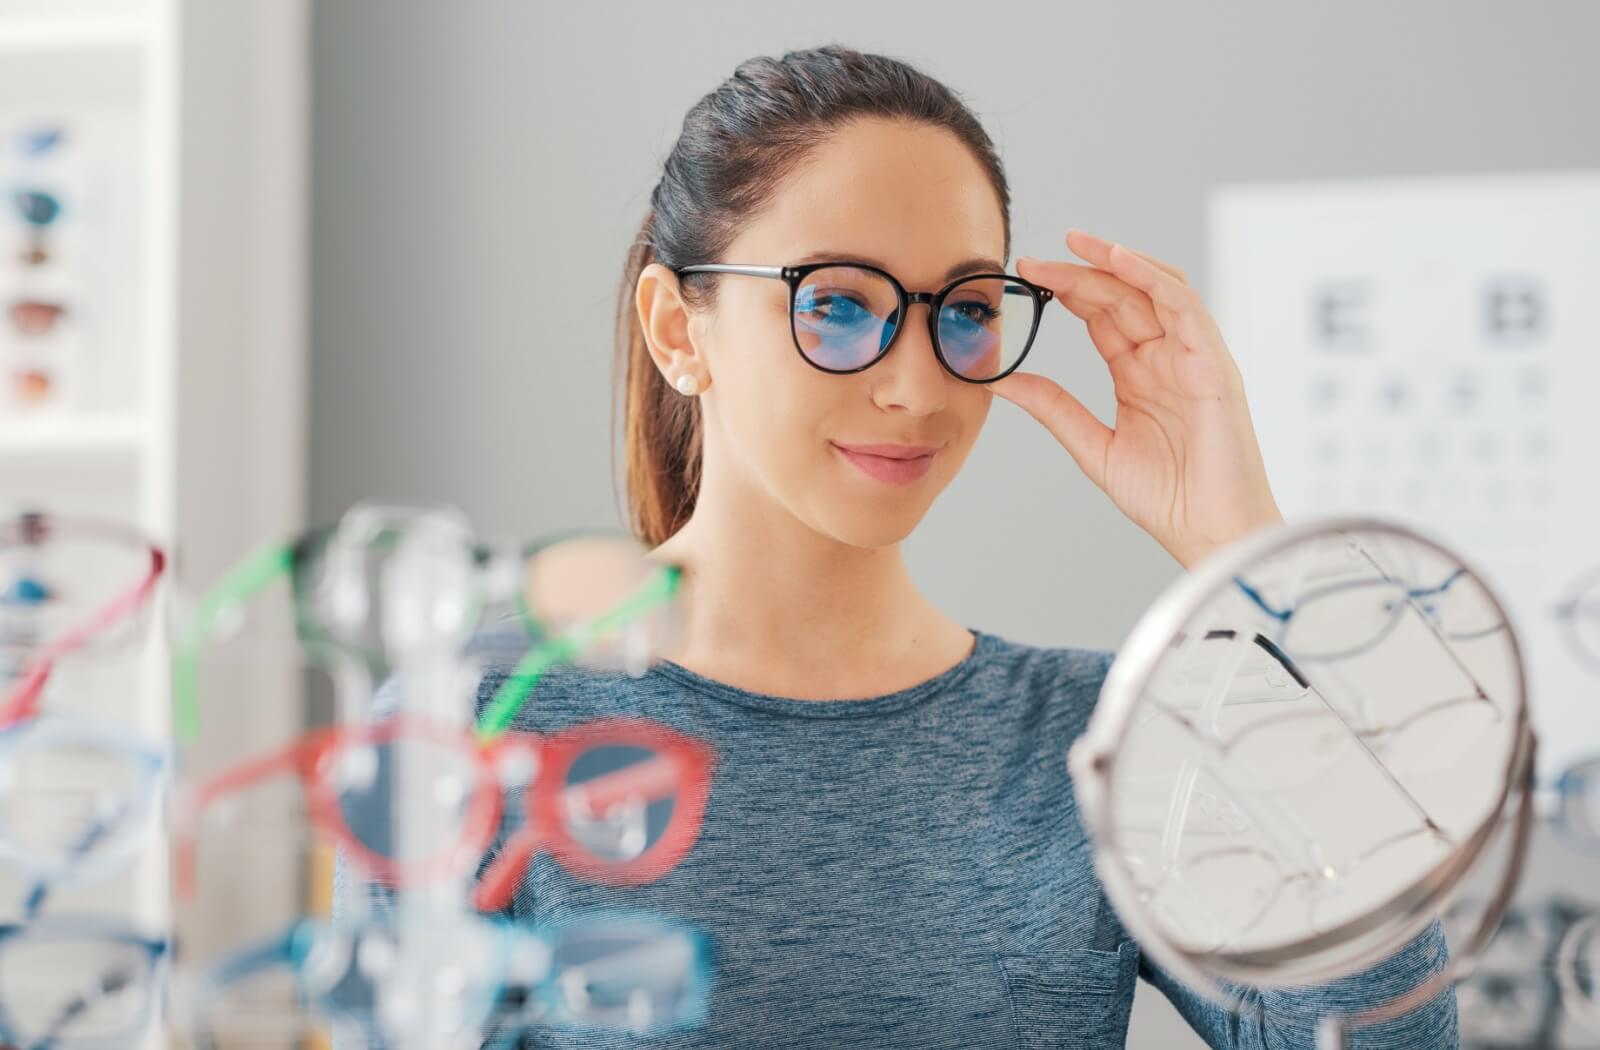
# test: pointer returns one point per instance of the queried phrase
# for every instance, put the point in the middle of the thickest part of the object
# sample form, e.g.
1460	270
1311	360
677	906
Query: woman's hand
1182	461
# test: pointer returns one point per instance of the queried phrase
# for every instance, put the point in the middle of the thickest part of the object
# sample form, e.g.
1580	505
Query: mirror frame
1339	952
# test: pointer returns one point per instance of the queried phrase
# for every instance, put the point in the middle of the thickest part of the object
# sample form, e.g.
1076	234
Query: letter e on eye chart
1424	349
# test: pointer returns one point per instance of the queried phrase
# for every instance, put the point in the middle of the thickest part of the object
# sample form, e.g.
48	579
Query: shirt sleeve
1285	1018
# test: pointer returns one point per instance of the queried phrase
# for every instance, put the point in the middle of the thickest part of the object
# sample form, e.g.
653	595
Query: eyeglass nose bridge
910	299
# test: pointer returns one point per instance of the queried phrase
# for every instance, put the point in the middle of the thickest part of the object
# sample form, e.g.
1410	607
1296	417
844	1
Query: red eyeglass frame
22	701
684	765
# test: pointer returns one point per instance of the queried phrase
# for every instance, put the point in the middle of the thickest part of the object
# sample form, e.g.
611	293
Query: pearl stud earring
687	384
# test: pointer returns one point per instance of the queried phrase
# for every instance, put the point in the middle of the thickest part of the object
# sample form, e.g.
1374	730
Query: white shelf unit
201	441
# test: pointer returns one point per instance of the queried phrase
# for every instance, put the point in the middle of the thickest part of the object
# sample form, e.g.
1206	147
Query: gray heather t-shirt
909	870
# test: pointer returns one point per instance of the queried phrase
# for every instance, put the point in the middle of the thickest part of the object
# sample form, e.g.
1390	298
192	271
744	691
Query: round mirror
1300	752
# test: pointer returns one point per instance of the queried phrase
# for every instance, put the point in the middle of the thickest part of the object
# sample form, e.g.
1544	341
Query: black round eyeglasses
844	316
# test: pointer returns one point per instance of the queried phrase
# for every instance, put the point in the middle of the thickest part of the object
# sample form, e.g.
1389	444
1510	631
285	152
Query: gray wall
479	168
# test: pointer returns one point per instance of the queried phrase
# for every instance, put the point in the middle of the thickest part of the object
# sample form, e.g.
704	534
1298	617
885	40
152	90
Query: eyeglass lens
618	800
844	318
114	985
429	780
65	800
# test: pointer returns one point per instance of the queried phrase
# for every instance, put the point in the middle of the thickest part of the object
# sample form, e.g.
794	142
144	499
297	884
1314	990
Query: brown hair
737	144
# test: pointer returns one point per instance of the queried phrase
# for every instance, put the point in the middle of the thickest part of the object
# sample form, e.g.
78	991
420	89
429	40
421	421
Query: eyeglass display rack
165	282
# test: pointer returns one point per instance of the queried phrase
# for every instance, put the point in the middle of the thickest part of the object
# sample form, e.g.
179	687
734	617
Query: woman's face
913	200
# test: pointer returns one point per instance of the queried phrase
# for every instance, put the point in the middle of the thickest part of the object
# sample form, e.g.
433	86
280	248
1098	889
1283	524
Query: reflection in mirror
1307	743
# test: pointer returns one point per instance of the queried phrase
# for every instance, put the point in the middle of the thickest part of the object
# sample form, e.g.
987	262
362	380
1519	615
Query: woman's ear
664	320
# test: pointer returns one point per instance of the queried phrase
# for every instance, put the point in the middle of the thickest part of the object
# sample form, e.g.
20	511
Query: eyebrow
977	265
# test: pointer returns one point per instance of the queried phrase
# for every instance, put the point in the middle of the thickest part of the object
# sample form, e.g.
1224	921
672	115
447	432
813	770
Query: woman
891	854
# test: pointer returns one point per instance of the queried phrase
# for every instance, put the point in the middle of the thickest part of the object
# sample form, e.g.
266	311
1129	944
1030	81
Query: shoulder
1050	690
559	695
1055	687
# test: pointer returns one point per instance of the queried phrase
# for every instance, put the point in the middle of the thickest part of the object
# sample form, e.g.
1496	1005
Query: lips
893	464
892	451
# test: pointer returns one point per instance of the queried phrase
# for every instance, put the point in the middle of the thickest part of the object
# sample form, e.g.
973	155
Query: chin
863	528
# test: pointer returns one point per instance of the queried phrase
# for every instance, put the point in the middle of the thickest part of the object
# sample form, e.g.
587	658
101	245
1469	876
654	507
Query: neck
771	605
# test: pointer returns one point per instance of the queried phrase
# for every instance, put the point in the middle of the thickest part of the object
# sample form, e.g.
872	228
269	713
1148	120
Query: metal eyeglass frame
1572	608
1258	804
1580	985
793	275
1412	596
1551	965
1572	787
1368	734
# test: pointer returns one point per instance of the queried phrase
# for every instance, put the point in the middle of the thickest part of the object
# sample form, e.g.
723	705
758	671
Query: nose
909	378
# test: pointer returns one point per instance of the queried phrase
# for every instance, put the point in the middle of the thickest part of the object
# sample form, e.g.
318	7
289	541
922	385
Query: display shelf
58	433
33	33
196	438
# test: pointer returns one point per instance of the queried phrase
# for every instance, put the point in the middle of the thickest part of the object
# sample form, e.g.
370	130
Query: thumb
1086	439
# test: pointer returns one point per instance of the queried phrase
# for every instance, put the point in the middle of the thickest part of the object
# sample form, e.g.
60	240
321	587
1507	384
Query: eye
831	310
972	312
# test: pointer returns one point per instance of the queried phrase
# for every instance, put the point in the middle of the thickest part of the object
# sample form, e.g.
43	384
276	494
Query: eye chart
1428	350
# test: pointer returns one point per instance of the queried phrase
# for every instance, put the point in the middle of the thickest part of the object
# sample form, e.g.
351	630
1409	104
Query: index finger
1089	292
1100	253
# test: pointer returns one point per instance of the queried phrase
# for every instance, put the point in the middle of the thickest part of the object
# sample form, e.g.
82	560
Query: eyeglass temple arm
652	779
244	580
223	784
514	691
494	890
1415	805
1281	615
1428	622
24	698
108	984
274	951
1179	806
748	271
94	833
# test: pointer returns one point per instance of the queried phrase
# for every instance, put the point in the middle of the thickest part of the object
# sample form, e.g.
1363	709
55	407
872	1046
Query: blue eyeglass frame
294	946
793	275
139	808
156	955
1413	595
1572	787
